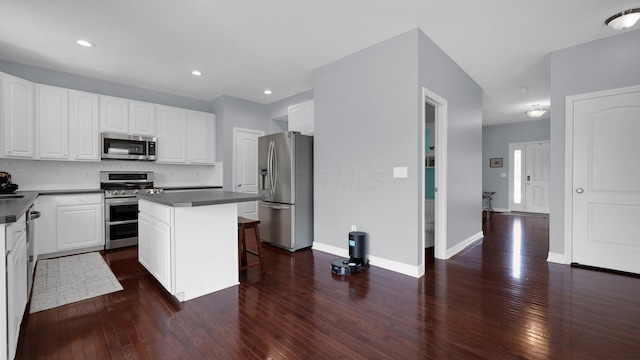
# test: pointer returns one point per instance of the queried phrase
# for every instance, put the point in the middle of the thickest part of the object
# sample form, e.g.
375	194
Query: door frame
440	195
568	159
233	168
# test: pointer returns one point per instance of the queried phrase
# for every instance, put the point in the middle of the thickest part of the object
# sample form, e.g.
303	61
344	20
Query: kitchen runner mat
69	279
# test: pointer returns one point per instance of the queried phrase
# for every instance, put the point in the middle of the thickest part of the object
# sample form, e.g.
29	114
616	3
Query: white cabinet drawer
162	213
84	199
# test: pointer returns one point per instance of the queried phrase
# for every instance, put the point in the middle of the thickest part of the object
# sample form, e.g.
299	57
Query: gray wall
599	65
234	112
440	74
368	115
495	144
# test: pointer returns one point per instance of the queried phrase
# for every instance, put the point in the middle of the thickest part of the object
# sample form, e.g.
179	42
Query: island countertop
200	198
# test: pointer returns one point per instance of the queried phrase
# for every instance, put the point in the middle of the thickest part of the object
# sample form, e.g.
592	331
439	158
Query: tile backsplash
60	175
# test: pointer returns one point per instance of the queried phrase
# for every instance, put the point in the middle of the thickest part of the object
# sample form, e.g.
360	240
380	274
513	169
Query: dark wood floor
499	299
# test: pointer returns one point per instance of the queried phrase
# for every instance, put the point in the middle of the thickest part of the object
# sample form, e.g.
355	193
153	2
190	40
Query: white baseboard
557	258
410	270
464	244
501	210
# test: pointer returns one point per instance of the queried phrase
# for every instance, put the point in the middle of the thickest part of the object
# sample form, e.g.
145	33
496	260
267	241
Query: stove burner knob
150	191
121	192
135	192
159	190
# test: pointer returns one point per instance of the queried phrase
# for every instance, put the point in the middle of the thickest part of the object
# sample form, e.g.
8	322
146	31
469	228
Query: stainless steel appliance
31	216
121	204
128	147
285	162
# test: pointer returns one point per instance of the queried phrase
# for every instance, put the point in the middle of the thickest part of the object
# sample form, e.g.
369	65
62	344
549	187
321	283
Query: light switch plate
503	174
400	172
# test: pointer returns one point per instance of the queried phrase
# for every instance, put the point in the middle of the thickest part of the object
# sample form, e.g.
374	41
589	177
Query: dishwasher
31	216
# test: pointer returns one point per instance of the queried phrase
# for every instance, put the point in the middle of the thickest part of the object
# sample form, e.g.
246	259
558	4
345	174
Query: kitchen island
189	240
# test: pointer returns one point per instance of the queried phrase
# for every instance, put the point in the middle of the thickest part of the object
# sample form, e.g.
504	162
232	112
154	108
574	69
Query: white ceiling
246	46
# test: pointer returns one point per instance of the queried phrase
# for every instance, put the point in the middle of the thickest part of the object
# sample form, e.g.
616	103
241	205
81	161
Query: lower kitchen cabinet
154	241
16	288
69	223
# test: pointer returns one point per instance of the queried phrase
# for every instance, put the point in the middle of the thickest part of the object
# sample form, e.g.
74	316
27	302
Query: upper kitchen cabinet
114	114
18	120
126	116
52	114
185	136
84	124
171	135
301	117
202	137
68	124
141	118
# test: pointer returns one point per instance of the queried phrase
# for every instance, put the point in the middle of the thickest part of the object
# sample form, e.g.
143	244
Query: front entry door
246	169
537	177
606	179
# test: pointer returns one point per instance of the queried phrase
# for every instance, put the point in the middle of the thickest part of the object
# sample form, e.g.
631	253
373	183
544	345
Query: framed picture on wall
495	162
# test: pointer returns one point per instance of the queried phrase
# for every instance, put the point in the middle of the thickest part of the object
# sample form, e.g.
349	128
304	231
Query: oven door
121	227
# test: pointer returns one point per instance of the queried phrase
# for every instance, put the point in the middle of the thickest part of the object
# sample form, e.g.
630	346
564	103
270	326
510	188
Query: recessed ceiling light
196	72
524	89
268	92
624	20
85	43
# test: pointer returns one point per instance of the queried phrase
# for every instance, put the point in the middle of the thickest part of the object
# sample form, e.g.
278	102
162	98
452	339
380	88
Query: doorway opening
434	110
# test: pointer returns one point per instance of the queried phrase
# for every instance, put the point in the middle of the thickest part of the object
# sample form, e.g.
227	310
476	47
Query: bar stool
245	224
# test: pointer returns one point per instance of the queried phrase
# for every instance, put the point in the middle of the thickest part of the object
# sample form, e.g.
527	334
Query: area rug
517	213
69	279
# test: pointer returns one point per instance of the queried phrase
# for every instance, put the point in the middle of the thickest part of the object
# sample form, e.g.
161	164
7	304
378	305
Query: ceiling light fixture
268	92
196	72
536	111
624	20
85	43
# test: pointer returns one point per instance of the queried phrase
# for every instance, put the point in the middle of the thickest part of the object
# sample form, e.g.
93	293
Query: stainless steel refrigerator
285	163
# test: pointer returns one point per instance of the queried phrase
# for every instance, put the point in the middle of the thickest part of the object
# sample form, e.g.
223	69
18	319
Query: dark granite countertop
200	198
12	208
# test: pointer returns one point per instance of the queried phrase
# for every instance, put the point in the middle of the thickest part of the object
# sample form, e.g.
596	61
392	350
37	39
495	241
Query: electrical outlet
353	228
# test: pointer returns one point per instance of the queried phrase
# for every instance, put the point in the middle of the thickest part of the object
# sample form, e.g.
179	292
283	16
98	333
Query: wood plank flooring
498	299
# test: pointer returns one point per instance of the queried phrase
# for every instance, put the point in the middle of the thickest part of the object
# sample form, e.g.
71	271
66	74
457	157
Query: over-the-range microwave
128	147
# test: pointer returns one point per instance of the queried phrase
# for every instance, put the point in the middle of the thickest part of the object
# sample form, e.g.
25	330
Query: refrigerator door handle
275	167
269	169
275	207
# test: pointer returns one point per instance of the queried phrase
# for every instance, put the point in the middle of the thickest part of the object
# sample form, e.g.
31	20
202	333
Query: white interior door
529	165
606	180
246	168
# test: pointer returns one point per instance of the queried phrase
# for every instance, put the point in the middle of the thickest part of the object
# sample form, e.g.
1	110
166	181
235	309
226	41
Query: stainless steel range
121	204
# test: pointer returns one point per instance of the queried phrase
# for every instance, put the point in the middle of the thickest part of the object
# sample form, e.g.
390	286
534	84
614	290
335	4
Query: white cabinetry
70	223
171	135
202	137
68	124
180	244
185	136
84	124
141	118
16	281
18	121
52	115
154	241
301	117
114	114
126	116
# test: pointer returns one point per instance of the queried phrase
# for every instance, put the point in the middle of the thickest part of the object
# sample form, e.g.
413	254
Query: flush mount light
268	92
536	111
196	72
624	20
85	43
